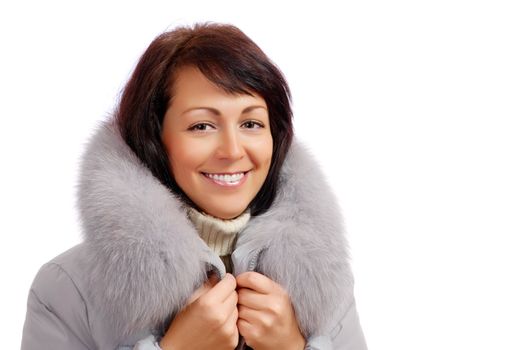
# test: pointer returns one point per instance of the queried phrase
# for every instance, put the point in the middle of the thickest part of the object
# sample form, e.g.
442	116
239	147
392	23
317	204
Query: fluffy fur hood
145	258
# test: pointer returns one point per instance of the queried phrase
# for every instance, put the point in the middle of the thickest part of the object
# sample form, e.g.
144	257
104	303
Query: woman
198	179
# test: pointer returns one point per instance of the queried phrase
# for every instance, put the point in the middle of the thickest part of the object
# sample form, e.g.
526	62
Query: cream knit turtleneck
220	235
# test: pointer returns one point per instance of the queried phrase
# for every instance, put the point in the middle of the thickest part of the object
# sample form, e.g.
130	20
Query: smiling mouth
227	179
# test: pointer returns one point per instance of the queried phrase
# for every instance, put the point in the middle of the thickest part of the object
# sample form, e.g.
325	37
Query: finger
252	299
229	309
231	302
232	328
233	317
223	289
256	281
252	316
244	327
225	309
198	293
261	320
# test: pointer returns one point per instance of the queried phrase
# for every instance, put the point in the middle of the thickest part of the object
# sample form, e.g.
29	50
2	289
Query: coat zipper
254	260
250	267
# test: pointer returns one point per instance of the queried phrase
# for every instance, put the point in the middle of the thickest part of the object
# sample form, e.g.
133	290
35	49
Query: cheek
268	153
182	157
263	152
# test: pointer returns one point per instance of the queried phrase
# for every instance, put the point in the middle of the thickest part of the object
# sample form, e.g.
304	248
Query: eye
252	124
200	127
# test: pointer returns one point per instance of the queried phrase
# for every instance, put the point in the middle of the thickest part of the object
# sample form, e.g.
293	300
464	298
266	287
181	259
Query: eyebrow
217	112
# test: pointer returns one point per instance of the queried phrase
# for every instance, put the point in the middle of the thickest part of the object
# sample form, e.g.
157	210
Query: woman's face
220	145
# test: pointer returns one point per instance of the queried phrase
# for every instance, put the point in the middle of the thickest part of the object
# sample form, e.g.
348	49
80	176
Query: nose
230	146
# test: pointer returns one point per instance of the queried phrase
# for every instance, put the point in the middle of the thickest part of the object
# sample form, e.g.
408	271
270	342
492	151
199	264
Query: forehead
191	87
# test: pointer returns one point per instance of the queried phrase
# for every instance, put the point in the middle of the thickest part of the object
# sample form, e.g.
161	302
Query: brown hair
233	62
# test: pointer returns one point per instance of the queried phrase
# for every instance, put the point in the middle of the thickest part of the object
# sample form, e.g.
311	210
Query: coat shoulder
60	307
56	303
65	271
58	274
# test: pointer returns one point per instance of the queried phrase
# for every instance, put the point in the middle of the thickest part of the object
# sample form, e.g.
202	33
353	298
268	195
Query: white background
416	109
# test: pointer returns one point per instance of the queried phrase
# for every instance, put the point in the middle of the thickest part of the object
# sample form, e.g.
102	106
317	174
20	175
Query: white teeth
226	178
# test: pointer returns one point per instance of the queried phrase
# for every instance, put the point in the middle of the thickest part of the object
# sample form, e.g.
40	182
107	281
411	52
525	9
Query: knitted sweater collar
230	226
219	234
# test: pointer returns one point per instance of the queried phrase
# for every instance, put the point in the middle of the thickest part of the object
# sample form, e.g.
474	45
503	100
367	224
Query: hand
211	282
266	318
208	321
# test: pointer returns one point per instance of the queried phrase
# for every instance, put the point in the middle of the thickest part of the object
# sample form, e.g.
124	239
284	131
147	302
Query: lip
226	173
224	185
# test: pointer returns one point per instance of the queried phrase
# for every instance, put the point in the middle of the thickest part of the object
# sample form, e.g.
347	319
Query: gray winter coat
141	258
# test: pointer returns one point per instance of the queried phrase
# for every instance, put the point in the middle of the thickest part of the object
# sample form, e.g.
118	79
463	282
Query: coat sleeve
56	315
149	343
347	332
344	334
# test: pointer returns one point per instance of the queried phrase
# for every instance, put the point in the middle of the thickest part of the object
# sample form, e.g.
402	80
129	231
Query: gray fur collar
146	258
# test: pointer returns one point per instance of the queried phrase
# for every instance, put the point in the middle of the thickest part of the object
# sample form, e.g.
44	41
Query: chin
226	208
230	214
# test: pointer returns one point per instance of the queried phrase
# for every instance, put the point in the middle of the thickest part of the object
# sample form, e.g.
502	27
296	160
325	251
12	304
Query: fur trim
146	258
